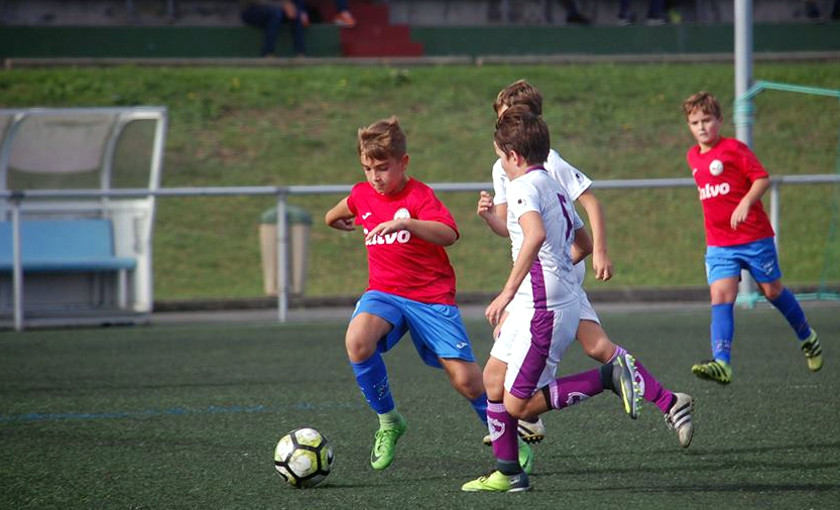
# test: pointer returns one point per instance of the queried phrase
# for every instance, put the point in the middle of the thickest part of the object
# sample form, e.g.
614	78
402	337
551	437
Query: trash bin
298	222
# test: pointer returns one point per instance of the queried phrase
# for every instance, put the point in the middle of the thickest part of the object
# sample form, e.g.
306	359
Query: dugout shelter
73	250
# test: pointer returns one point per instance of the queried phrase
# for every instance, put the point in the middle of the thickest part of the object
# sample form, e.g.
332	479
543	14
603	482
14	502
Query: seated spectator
812	10
573	14
269	15
656	13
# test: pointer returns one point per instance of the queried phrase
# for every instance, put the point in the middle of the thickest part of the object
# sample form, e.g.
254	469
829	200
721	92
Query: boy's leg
364	334
509	475
763	260
784	301
619	376
531	429
597	345
466	378
723	271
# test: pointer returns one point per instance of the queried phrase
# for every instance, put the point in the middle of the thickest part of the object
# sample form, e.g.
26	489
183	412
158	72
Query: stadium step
375	36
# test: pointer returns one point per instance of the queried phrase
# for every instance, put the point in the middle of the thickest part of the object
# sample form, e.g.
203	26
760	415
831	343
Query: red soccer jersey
400	263
723	176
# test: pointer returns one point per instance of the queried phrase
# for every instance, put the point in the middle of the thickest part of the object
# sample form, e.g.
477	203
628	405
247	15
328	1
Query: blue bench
66	245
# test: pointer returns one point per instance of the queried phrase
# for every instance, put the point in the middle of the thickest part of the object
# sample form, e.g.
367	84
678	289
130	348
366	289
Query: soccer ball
303	458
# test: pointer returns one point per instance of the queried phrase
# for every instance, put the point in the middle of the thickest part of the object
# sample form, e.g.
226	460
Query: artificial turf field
186	416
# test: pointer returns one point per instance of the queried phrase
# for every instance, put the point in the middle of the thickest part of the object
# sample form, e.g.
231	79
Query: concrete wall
602	12
422	13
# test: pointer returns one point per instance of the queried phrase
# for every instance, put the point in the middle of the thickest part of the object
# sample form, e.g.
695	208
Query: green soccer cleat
625	384
714	370
498	482
526	457
813	352
678	418
385	443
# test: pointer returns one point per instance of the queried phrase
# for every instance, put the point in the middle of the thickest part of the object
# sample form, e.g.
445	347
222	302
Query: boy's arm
533	232
340	217
601	262
494	215
739	215
582	246
434	232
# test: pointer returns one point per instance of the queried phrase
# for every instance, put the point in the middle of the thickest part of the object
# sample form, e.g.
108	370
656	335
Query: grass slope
236	127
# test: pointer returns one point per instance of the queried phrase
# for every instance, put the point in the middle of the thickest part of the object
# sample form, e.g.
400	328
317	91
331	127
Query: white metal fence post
17	265
282	258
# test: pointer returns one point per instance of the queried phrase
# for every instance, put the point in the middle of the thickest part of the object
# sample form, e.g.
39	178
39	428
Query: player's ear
404	160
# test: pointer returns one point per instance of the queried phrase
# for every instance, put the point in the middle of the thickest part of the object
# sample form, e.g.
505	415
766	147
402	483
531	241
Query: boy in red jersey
411	284
730	181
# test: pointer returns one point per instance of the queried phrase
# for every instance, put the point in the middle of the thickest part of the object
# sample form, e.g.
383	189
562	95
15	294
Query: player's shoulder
731	145
360	188
416	183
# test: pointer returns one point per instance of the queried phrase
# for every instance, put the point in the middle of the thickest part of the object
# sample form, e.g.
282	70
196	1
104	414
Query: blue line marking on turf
176	411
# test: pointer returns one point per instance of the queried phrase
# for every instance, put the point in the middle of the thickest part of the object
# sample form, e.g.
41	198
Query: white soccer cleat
529	432
678	418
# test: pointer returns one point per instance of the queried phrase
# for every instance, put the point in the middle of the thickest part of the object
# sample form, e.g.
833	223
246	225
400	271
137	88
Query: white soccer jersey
545	311
550	283
573	181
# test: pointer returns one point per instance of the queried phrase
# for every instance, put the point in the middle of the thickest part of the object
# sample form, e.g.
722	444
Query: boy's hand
485	204
343	224
385	228
496	309
739	215
602	265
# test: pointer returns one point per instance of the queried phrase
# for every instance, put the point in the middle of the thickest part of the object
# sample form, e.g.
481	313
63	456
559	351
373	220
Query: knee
600	349
494	385
772	292
470	386
358	347
518	410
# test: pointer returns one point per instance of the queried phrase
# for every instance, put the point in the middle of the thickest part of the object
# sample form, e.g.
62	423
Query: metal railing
15	199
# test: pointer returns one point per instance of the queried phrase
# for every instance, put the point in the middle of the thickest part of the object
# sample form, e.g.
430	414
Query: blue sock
480	406
722	330
789	306
372	378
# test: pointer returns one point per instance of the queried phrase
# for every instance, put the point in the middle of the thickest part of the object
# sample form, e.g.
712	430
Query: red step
373	35
380	49
370	14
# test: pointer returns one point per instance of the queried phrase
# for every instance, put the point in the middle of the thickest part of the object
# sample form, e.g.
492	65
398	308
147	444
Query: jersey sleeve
430	208
500	183
352	203
574	181
750	164
524	198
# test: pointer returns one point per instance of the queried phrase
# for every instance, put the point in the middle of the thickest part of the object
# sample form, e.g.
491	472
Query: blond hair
519	92
703	101
384	139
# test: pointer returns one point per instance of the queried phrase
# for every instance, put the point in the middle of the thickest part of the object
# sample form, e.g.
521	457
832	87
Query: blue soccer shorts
758	257
436	330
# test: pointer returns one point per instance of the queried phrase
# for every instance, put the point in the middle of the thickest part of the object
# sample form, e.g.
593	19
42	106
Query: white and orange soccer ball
303	458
